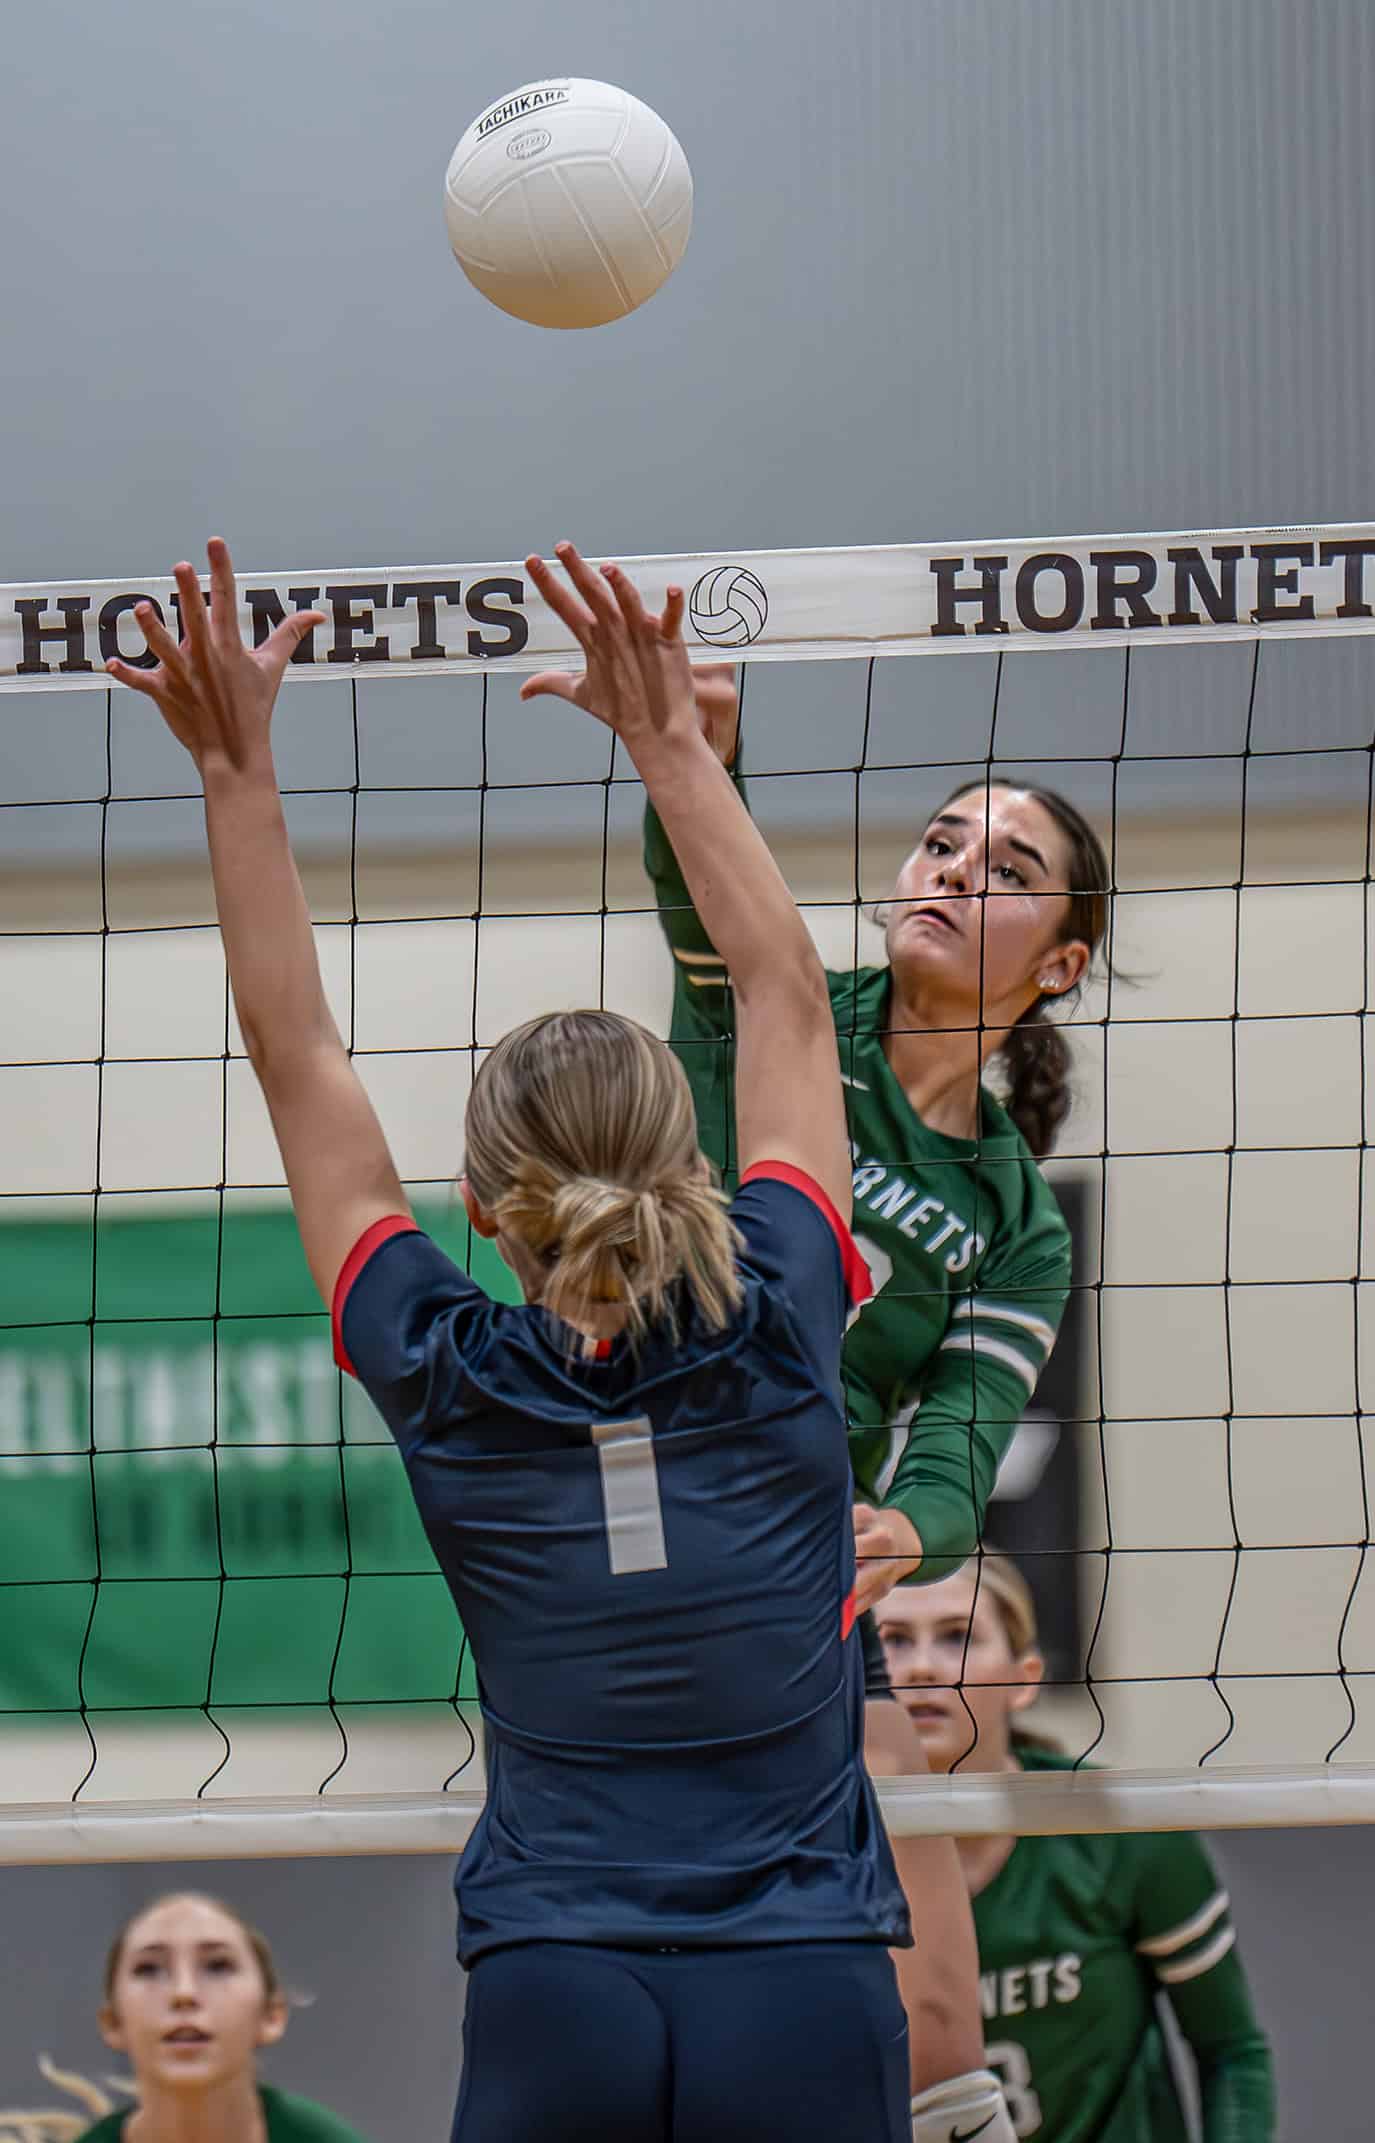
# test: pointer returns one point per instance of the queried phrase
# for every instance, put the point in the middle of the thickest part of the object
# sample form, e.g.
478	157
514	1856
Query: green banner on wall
195	1507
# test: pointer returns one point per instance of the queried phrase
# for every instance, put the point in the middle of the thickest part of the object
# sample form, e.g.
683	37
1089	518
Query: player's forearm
1236	2082
1237	2093
264	922
702	1019
681	924
739	894
946	1522
942	1483
956	1441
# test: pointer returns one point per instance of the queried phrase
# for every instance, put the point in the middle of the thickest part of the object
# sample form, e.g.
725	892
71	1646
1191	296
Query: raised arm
216	697
702	1019
788	1100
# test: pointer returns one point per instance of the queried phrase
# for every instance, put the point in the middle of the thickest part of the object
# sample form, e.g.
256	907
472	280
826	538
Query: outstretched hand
638	679
215	695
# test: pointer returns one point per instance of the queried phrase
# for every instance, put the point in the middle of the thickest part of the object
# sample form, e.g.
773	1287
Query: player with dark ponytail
1034	1054
995	918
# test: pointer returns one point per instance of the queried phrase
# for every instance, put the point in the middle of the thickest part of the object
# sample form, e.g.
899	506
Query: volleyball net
220	1627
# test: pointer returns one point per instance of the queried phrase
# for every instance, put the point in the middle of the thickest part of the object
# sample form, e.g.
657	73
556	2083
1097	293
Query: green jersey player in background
995	915
1079	1938
191	1993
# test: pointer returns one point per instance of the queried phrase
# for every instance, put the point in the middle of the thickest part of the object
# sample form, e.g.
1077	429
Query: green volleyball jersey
1079	1938
967	1248
289	2120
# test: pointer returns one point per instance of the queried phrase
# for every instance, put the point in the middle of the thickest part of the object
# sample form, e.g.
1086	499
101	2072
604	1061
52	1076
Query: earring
1048	986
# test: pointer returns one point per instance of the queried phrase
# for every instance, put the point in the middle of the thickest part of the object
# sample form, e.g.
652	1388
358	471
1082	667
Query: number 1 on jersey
630	1495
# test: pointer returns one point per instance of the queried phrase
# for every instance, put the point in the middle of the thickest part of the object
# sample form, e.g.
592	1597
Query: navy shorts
569	2043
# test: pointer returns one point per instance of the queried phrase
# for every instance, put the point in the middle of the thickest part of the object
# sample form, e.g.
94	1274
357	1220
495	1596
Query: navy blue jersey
651	1551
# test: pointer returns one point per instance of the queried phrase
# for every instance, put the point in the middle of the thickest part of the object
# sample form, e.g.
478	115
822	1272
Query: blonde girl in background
191	1995
1079	1938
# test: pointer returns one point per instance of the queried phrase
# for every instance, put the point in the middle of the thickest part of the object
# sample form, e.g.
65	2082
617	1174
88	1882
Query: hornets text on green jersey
1079	1939
967	1248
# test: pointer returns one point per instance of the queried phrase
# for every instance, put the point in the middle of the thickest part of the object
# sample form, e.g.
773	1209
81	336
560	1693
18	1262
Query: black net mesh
211	1577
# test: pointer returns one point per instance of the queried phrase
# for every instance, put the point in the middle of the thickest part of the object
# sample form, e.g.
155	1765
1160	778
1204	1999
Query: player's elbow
284	1062
258	1050
271	1056
790	992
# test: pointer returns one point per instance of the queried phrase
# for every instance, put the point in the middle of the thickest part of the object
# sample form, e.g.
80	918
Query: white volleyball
568	203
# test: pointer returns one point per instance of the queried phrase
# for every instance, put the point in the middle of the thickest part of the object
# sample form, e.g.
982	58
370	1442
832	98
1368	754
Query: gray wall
372	1942
1016	267
1019	266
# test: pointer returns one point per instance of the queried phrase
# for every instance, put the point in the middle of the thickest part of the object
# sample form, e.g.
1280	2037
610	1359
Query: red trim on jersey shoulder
859	1285
372	1238
848	1611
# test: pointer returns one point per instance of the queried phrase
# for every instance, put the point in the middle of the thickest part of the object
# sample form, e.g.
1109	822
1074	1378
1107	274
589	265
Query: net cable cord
1065	1803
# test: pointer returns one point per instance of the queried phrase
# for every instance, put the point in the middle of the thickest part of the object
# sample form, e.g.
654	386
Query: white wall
1231	1281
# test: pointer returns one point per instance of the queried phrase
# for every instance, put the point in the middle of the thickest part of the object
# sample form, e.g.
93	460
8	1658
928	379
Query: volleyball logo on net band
728	606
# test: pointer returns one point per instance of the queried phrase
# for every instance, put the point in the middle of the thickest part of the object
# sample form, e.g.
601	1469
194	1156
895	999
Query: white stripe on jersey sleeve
1173	1975
994	1351
1179	1938
899	1429
710	982
1003	1313
698	959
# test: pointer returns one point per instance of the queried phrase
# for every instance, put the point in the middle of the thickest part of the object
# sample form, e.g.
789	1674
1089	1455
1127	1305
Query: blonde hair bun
582	1144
